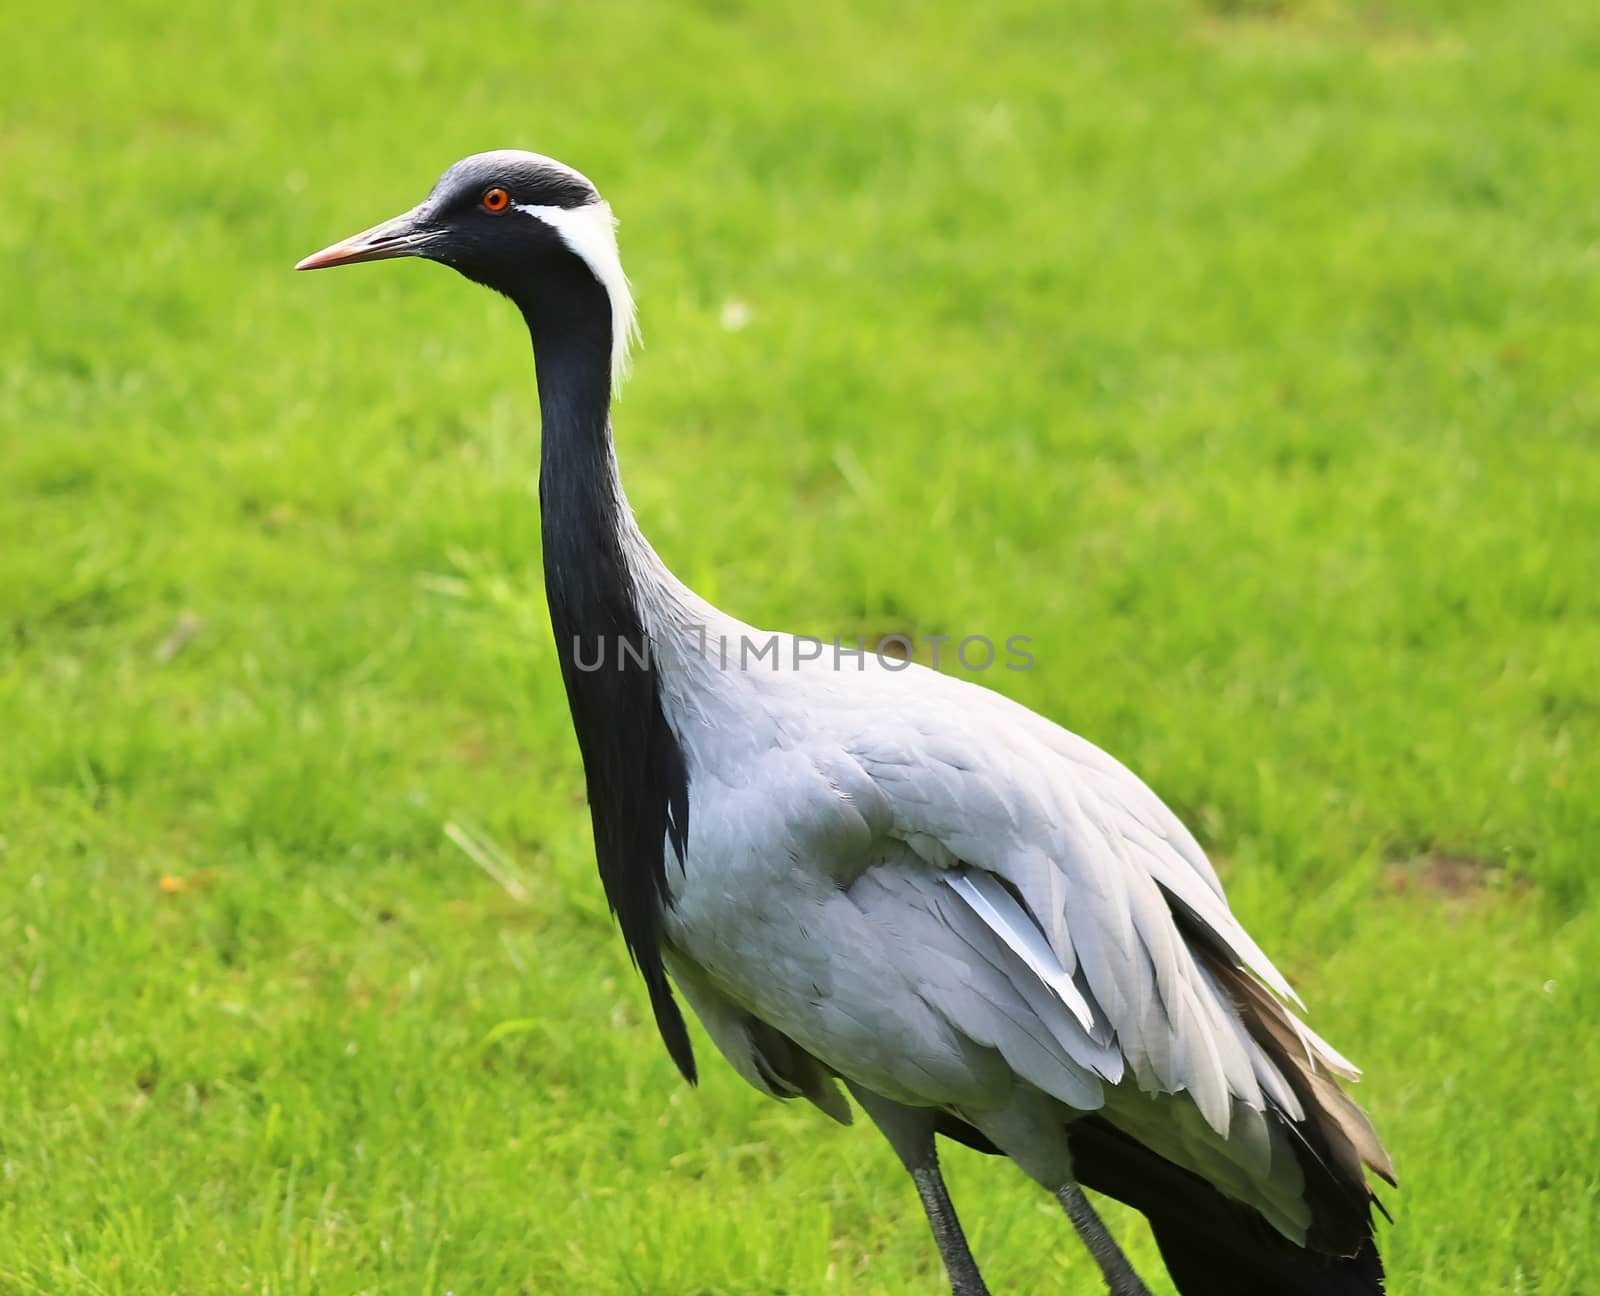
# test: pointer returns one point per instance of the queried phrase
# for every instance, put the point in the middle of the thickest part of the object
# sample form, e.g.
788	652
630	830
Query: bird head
520	223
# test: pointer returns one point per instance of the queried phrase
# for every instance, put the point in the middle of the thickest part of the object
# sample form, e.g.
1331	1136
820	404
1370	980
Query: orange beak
401	237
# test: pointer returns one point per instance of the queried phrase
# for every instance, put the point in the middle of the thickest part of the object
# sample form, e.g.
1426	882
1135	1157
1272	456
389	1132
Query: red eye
495	200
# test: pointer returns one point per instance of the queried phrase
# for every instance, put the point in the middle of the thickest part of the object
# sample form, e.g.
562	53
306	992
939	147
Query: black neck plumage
635	770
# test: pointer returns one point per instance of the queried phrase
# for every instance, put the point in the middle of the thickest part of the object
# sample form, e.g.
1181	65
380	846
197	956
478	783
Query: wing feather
1082	874
1007	919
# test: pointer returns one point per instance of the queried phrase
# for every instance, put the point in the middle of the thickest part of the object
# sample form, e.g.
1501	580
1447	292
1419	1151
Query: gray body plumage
928	889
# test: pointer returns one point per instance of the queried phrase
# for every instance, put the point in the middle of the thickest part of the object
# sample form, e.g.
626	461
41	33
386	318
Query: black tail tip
1198	1269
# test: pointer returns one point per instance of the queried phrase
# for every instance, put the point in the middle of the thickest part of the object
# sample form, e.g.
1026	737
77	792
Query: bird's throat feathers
634	767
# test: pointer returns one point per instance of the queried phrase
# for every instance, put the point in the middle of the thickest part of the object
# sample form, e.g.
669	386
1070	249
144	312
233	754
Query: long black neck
637	779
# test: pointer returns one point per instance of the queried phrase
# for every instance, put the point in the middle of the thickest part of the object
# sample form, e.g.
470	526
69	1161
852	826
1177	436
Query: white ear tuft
591	232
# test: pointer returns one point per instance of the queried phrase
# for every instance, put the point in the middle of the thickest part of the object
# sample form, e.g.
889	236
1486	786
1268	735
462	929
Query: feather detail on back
1335	1141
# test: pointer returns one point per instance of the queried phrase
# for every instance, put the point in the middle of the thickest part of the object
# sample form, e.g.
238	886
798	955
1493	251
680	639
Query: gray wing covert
978	796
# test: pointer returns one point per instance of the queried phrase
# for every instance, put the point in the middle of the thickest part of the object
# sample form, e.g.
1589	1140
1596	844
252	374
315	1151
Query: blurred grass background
1242	354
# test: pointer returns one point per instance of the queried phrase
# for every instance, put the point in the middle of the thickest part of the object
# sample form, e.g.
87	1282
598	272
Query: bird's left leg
910	1132
1031	1131
1120	1278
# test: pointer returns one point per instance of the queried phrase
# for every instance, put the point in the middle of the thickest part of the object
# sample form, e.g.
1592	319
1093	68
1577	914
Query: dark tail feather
1213	1246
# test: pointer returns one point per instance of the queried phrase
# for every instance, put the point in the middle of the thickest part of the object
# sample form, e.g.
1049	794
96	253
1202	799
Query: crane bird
868	872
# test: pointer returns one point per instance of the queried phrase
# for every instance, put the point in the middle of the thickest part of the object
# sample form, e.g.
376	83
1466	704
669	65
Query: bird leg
1114	1267
910	1132
965	1280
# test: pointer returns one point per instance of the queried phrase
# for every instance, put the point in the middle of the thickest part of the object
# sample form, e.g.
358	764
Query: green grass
1242	354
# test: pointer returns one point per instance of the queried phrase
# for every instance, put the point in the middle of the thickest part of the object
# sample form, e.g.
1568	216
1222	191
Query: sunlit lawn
1242	355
